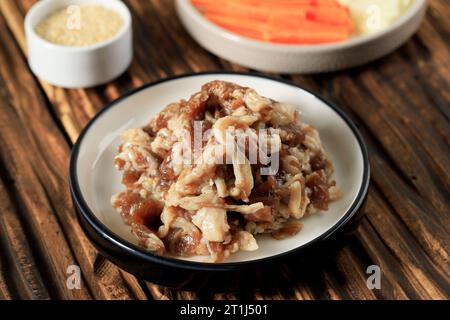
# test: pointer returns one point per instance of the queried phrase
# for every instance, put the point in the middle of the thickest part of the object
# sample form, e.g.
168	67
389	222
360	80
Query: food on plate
302	21
78	26
208	174
281	21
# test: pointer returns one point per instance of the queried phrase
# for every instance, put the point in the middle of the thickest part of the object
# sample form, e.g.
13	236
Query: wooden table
400	103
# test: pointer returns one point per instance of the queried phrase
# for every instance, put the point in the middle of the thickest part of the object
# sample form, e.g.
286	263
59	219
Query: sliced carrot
281	21
328	14
258	4
241	29
324	14
267	5
278	31
284	21
280	3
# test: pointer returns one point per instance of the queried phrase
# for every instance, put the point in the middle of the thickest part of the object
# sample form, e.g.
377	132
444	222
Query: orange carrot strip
282	21
279	3
235	25
333	14
279	22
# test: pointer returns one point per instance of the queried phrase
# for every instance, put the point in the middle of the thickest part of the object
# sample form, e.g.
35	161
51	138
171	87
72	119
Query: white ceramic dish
94	178
291	59
75	67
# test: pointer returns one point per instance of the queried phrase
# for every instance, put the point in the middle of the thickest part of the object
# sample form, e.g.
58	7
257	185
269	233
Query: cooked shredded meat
215	203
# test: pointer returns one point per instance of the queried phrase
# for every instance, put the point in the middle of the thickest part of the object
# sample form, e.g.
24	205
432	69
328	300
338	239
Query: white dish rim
102	230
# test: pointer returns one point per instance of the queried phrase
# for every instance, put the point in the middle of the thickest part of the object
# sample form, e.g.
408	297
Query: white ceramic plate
291	59
94	178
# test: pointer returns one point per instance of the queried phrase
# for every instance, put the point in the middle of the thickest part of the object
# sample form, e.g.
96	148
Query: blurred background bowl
290	59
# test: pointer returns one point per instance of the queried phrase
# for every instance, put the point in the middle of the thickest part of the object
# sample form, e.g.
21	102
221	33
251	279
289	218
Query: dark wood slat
5	293
41	180
32	195
400	103
5	290
431	162
186	48
186	295
412	268
73	107
393	282
159	292
23	271
406	200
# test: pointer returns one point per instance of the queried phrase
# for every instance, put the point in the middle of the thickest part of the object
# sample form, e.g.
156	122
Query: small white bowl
78	67
281	58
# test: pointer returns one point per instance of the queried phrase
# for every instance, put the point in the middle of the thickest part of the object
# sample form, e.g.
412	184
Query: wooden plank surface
400	103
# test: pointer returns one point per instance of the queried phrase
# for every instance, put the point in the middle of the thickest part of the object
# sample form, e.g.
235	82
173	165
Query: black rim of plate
135	250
